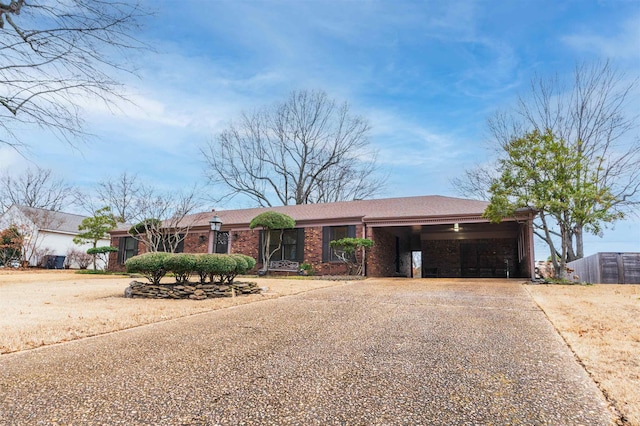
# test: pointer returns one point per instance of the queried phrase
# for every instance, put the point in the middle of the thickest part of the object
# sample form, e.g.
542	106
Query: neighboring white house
46	233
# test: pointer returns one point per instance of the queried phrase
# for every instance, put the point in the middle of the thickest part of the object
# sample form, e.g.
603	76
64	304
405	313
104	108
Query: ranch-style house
424	236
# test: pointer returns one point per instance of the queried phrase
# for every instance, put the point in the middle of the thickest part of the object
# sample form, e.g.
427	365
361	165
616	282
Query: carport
452	247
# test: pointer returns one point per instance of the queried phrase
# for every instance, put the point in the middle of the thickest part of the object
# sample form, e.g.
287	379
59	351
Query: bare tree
37	188
122	193
306	149
593	115
53	53
475	182
163	219
30	222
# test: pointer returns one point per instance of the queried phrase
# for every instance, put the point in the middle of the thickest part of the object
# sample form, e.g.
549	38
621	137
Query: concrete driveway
374	352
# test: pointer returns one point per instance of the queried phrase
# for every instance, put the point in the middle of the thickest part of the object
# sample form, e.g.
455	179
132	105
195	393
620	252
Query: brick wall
246	242
485	259
382	256
196	242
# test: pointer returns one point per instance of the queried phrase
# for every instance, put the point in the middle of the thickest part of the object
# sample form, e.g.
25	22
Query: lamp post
215	223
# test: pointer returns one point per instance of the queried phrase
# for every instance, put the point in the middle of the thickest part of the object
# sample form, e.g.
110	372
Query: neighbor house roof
48	220
367	211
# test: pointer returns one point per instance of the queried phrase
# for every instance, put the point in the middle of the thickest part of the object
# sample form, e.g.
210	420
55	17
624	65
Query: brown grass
42	308
601	324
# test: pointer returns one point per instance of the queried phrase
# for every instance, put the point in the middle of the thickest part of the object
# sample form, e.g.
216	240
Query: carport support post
532	256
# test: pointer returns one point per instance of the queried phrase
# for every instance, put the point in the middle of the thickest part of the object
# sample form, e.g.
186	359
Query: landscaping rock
139	289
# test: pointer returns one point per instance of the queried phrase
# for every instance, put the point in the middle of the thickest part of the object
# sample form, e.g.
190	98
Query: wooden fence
608	268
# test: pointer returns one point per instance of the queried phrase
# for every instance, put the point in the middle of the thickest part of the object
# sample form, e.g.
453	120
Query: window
292	247
128	247
333	233
169	241
221	244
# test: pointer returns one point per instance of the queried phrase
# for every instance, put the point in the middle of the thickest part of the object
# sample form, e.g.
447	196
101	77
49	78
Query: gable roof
51	220
429	206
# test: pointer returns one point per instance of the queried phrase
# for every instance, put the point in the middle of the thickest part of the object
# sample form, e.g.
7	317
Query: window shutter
351	231
260	244
136	243
300	245
326	237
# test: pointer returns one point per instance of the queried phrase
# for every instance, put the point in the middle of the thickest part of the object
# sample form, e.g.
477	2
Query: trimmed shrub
214	265
224	265
151	265
182	265
251	262
202	267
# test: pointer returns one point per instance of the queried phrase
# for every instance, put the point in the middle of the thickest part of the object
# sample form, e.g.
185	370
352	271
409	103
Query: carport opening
416	264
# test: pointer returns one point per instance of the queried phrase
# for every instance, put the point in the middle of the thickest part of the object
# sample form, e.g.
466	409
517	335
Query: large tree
306	149
592	116
54	54
543	171
38	188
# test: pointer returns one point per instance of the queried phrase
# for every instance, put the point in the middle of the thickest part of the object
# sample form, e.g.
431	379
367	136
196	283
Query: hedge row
220	268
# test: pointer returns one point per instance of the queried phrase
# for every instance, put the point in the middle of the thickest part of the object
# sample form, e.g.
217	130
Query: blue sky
426	74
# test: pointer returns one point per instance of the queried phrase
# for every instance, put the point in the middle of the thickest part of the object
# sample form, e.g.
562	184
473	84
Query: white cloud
623	45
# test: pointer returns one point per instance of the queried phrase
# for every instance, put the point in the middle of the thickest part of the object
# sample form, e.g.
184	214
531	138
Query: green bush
202	266
151	265
225	265
251	263
222	268
214	265
182	265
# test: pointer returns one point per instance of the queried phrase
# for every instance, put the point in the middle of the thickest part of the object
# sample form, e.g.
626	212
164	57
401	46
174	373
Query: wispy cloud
621	45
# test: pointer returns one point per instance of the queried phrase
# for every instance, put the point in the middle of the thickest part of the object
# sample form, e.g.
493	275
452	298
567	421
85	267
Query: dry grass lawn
46	307
601	324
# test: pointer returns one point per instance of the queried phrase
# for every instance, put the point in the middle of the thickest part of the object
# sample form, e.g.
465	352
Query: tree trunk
578	232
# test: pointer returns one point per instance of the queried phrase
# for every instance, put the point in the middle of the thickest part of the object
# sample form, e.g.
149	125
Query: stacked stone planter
189	291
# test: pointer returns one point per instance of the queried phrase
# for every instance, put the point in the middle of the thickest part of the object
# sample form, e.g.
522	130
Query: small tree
164	219
346	250
96	228
10	244
271	221
101	253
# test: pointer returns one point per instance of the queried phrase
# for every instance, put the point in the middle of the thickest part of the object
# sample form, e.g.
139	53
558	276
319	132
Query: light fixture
215	223
456	227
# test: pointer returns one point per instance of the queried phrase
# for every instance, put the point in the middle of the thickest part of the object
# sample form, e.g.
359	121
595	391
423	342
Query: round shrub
151	265
182	265
251	262
225	265
214	265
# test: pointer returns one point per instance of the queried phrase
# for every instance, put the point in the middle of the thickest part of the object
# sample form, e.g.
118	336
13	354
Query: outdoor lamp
456	227
215	223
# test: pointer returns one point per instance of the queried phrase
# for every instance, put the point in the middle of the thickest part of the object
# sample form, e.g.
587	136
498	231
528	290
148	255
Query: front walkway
371	352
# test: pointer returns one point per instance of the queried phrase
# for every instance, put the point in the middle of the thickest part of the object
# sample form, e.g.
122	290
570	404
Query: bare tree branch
37	188
55	53
307	149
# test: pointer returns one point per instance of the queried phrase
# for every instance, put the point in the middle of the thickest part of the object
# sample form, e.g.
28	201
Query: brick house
428	236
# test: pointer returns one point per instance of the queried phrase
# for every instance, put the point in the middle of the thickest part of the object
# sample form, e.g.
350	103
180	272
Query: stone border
192	291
